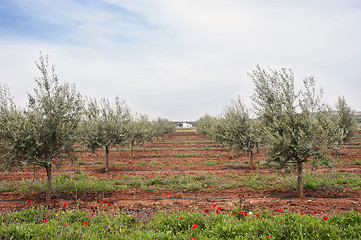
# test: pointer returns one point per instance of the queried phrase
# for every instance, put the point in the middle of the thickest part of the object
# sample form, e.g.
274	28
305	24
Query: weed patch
75	224
185	155
211	163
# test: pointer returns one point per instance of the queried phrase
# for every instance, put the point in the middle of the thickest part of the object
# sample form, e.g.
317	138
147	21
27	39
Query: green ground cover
42	223
81	182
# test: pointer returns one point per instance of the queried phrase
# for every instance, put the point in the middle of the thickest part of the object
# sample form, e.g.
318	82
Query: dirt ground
186	153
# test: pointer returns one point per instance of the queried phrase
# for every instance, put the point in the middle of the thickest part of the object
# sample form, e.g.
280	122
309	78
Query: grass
152	163
153	155
6	186
75	224
332	181
186	130
326	182
353	146
118	164
187	163
157	149
80	182
235	165
257	181
81	162
179	182
211	163
185	155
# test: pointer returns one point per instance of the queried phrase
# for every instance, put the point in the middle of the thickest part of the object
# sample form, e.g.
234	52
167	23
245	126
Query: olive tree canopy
240	131
346	119
104	125
297	127
44	131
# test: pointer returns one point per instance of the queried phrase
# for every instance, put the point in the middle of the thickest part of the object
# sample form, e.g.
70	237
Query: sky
181	59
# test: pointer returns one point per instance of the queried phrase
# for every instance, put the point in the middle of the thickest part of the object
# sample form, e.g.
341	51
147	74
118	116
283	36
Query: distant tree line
57	116
294	127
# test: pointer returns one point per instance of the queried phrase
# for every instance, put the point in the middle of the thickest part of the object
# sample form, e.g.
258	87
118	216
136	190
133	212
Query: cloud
182	59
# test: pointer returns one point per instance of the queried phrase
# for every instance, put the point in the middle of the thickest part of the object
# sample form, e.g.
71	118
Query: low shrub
6	186
75	224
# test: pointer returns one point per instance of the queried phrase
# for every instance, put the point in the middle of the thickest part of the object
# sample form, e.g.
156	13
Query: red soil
186	154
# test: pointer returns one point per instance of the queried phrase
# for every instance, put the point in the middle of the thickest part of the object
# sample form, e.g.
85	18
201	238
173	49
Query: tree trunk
232	154
131	149
107	158
34	173
251	160
48	188
300	179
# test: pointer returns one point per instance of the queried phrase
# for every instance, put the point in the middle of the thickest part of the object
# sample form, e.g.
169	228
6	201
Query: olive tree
239	130
104	125
147	129
149	133
216	129
205	125
10	117
44	132
234	129
219	133
297	127
163	127
346	119
137	131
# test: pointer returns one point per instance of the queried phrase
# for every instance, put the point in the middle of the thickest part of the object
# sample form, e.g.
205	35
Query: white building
186	125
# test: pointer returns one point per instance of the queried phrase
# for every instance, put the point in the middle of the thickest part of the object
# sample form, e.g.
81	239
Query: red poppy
233	214
315	212
214	205
180	218
269	236
245	214
92	214
240	205
302	213
240	212
65	205
206	211
1	208
157	228
257	215
66	224
325	218
45	221
279	210
218	212
168	193
192	239
85	223
194	226
108	204
105	201
219	208
152	213
29	201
